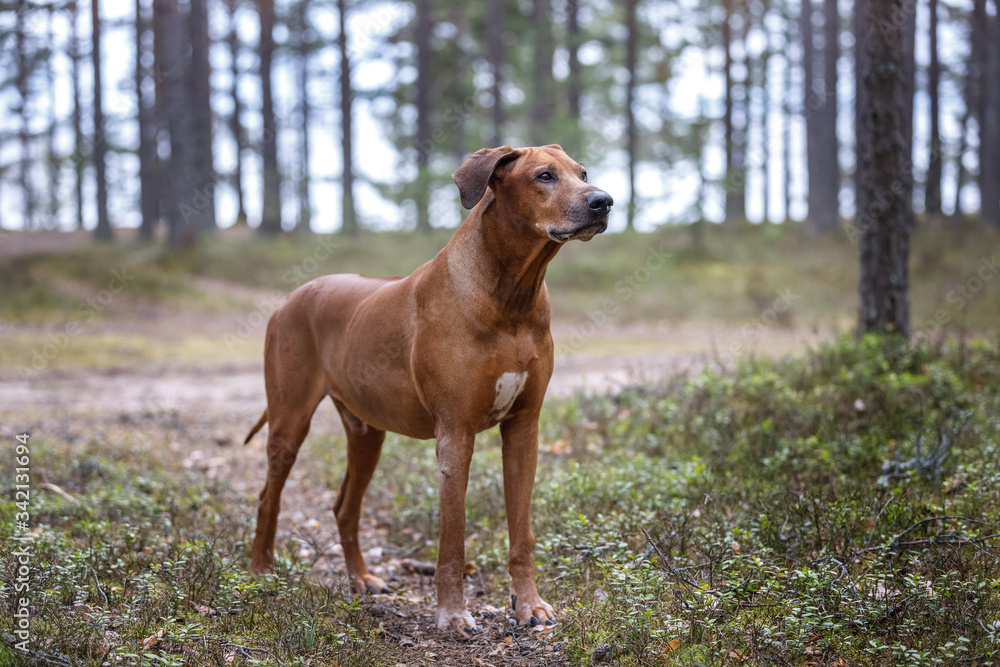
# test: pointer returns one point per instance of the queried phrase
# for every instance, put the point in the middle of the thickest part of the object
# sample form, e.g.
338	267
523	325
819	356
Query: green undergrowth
837	508
661	277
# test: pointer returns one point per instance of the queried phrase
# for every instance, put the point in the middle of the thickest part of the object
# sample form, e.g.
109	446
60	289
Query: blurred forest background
191	115
727	476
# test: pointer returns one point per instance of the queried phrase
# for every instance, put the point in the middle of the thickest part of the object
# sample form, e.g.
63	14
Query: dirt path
201	413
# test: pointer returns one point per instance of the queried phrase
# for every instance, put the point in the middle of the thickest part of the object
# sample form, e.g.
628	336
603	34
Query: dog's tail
260	423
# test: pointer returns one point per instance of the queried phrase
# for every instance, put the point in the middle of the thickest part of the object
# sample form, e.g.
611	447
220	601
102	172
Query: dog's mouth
584	233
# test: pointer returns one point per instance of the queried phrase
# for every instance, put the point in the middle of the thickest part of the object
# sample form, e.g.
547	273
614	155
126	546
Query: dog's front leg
520	456
454	454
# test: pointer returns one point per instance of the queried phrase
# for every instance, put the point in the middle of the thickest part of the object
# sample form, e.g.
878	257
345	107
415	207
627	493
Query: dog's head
543	187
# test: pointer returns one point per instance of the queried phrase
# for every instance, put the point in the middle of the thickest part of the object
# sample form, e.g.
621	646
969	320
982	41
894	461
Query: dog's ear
474	175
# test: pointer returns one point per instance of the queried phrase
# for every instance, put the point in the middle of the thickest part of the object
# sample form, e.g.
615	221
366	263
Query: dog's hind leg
292	396
364	445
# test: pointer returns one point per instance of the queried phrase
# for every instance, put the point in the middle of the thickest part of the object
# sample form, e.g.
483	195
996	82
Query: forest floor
137	416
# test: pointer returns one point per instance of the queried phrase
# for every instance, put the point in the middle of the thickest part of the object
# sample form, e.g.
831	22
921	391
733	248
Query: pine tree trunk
765	112
932	187
270	220
303	226
961	175
734	171
180	170
630	66
77	115
861	203
349	217
885	177
21	82
786	141
52	160
149	196
542	83
425	80
236	119
494	49
574	81
824	188
103	230
820	108
201	136
910	78
574	87
989	133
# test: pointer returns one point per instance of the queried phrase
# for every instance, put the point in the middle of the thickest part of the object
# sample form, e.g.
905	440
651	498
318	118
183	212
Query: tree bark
910	77
236	119
303	226
74	56
630	65
820	107
542	101
201	135
52	161
270	219
149	196
574	85
21	83
885	177
860	18
765	111
735	177
103	230
349	216
574	81
828	197
989	125
961	175
786	141
180	169
494	49
425	78
932	186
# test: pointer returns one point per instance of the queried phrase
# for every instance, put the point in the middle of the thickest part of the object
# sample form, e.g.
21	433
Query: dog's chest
520	352
508	388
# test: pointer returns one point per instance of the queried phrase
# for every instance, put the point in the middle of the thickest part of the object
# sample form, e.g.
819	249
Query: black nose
600	201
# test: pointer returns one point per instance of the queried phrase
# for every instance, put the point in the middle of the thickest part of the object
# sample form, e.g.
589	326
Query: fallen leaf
672	645
470	570
736	546
737	656
153	638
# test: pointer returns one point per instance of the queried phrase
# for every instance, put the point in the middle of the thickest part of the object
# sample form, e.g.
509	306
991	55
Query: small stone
603	653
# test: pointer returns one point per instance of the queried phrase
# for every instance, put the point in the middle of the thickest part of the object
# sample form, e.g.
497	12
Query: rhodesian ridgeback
458	346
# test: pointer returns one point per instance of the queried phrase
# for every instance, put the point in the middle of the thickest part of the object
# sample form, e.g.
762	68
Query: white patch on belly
509	386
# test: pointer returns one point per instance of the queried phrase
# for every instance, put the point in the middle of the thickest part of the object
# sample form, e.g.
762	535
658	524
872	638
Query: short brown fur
427	356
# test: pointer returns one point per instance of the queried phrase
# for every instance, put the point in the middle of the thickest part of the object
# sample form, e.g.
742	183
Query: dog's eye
583	177
546	176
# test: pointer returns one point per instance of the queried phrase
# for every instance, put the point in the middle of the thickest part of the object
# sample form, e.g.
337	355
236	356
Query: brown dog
460	345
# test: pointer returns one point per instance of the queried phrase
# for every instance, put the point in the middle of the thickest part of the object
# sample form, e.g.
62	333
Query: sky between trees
715	130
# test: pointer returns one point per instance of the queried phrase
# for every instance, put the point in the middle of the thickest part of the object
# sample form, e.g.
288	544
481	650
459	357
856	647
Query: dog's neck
504	268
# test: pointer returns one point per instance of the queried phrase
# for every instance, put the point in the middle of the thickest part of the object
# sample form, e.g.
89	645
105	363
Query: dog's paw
261	566
369	584
533	610
460	620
